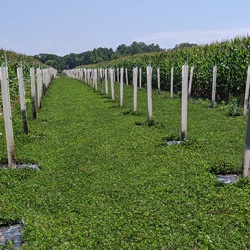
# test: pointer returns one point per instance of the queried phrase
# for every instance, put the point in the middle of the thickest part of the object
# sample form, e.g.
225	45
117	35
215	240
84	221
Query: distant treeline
94	56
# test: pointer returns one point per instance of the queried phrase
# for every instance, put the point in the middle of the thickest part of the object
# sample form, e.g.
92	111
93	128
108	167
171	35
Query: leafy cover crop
108	181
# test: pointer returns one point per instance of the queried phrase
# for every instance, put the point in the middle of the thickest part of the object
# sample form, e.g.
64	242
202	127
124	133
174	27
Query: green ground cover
108	181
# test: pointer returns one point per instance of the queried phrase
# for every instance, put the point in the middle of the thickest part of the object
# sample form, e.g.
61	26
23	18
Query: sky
62	27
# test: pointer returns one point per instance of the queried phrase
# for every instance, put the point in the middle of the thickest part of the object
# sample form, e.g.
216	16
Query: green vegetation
15	60
231	57
96	55
108	181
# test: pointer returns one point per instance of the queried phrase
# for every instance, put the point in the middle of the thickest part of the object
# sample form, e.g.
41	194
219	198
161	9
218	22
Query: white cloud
170	39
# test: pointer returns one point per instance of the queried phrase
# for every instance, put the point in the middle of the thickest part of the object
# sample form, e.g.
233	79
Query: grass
109	181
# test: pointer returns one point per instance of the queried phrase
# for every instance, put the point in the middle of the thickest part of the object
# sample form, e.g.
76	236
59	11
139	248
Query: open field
108	181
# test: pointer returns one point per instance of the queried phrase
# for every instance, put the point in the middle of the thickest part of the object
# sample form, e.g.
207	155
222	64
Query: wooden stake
214	85
135	77
172	83
33	93
190	82
246	99
184	95
149	91
7	117
22	99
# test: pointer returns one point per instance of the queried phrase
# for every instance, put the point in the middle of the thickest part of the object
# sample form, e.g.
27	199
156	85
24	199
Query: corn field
231	57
